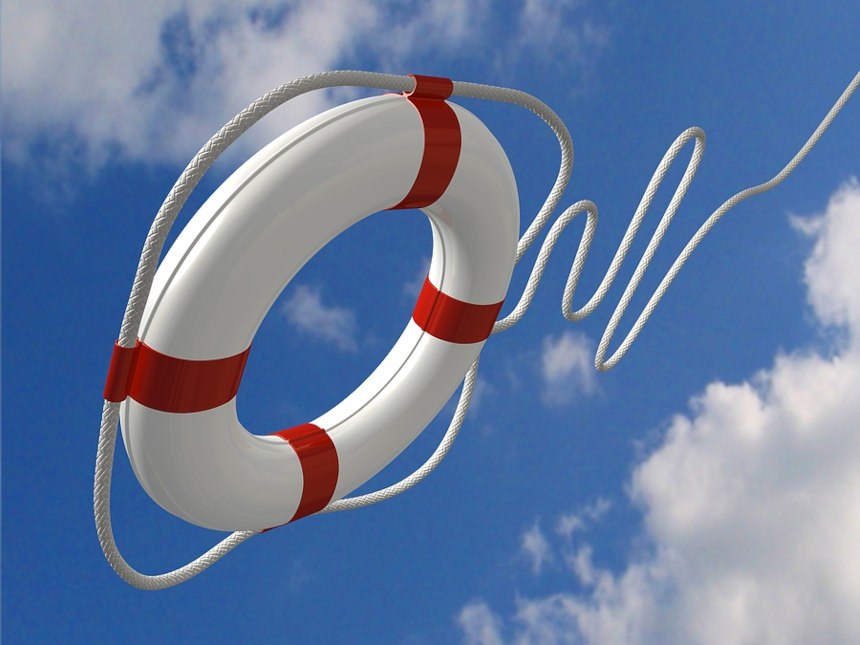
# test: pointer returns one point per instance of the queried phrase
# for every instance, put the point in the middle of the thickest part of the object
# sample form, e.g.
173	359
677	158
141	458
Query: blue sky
703	491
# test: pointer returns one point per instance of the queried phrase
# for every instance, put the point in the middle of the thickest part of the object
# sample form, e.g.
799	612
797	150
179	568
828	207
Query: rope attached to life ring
203	160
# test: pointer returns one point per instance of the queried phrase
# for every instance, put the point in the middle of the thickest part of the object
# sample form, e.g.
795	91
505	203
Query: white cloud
479	624
536	548
833	290
98	79
434	26
750	503
570	523
335	325
559	31
567	365
154	80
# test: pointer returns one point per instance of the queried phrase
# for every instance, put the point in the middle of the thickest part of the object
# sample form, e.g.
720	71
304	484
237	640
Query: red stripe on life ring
455	321
442	140
171	384
120	372
318	458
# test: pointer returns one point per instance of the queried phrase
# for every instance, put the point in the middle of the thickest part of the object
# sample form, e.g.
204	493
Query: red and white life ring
239	251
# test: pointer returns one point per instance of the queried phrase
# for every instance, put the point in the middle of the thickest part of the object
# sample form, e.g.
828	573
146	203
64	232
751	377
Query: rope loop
203	160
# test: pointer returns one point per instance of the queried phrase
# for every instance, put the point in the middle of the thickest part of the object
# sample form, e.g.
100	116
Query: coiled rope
202	161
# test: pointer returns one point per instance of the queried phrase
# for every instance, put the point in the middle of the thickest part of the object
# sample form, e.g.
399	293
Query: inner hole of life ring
335	321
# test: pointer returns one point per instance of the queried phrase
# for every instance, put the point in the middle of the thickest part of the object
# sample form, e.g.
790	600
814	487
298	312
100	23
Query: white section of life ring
244	245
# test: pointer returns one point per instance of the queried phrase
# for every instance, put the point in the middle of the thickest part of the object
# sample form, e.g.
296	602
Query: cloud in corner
749	504
103	80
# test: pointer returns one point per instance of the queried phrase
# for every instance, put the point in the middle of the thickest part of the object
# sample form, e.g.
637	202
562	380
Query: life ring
244	245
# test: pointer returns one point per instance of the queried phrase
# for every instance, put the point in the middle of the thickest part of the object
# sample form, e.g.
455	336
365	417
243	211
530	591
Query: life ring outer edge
187	497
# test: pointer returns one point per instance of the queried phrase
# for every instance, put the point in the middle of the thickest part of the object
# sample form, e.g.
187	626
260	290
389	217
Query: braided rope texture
202	161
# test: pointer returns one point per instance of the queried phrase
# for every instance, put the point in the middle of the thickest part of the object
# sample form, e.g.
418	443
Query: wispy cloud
536	548
334	325
555	33
750	502
567	367
556	23
152	81
480	625
570	523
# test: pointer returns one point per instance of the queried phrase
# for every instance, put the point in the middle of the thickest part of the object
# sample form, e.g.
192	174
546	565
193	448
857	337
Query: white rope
201	162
